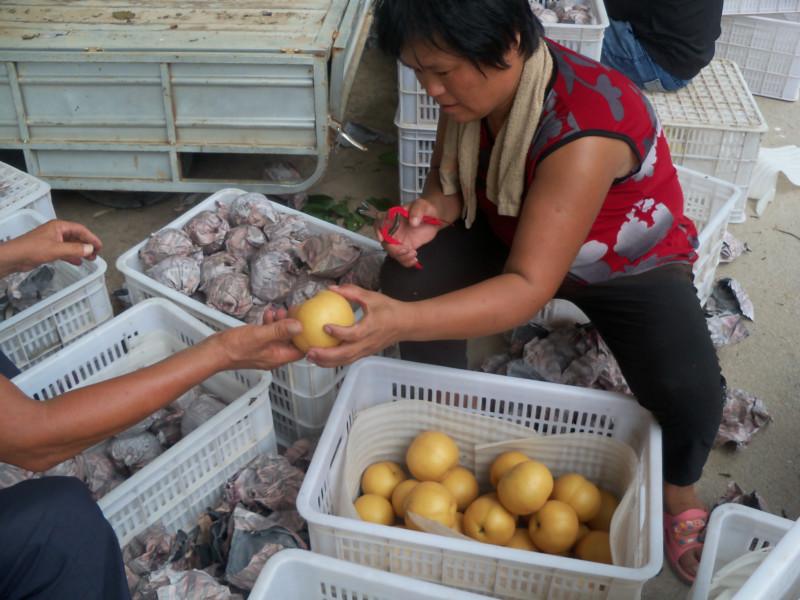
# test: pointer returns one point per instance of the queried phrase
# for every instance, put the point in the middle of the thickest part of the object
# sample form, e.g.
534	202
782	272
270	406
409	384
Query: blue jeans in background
623	52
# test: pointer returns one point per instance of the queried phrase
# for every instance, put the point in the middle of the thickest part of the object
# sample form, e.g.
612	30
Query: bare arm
37	435
568	192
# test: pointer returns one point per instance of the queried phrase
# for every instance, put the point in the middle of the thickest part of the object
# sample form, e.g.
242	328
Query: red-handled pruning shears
392	222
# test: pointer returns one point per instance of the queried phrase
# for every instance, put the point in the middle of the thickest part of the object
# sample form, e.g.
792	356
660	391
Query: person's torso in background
679	35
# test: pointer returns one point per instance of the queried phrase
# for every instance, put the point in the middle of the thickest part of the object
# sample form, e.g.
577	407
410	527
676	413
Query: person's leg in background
623	52
456	258
654	326
57	545
8	368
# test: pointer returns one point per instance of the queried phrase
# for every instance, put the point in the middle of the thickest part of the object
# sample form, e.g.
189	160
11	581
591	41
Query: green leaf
316	212
341	209
321	201
354	222
388	158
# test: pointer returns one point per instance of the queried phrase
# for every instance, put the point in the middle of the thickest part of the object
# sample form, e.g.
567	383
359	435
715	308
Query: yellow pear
326	308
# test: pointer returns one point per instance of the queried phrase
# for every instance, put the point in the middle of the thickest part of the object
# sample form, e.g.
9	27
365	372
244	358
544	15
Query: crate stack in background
19	190
763	38
714	126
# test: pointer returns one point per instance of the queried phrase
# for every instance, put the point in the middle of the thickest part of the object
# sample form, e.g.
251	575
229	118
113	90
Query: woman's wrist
404	321
212	355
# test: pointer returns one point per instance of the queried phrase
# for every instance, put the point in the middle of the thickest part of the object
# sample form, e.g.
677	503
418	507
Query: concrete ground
765	364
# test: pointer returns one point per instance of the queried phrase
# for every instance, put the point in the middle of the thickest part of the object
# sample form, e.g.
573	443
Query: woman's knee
686	403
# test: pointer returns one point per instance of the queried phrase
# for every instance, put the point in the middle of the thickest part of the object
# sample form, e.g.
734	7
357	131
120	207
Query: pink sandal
683	533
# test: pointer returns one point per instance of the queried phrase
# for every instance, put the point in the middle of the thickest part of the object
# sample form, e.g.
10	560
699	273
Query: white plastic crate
181	483
767	50
414	153
20	190
483	568
302	575
80	305
305	382
735	530
297	416
714	126
754	7
709	202
417	109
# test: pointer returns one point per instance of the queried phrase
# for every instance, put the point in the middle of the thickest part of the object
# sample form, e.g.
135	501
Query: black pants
7	368
55	544
652	322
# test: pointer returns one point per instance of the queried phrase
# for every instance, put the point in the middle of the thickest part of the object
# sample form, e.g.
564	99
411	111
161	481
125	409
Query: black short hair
481	31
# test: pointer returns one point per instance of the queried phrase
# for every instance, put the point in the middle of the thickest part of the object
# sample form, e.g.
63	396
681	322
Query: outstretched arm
38	435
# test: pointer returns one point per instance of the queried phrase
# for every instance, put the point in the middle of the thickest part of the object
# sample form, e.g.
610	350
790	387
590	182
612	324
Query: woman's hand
54	240
411	234
380	327
259	346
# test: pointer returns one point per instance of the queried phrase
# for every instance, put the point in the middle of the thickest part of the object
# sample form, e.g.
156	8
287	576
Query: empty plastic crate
415	150
767	50
483	568
302	575
709	202
180	484
305	388
735	530
753	7
80	305
417	109
20	190
714	126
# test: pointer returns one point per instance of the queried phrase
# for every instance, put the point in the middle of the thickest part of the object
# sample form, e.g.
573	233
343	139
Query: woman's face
464	92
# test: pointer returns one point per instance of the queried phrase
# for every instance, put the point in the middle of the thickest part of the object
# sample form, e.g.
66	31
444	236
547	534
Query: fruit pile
526	508
244	255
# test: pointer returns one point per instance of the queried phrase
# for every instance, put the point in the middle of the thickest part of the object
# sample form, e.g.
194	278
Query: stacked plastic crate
714	126
418	113
763	38
19	190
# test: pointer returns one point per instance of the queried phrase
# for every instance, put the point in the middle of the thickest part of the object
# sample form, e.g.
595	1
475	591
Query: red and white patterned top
641	224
